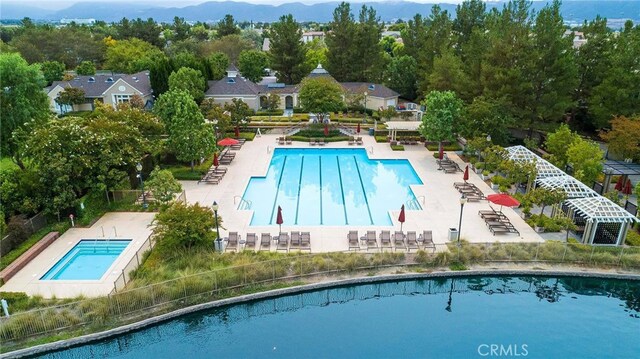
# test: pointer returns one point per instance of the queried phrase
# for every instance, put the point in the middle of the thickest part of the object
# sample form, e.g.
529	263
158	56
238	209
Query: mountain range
573	11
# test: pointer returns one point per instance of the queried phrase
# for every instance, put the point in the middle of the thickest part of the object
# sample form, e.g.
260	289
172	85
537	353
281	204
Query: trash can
372	132
453	234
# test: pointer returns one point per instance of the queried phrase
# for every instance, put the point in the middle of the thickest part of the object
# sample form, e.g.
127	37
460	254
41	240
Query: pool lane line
344	206
299	189
320	171
275	200
364	193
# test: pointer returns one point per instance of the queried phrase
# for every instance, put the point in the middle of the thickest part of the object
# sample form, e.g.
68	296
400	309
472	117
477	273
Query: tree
189	80
184	227
447	75
320	95
53	71
218	64
86	68
227	26
190	138
159	73
487	117
163	185
369	60
252	36
400	76
239	112
547	197
444	111
340	43
624	137
385	113
272	101
286	50
71	96
558	143
586	158
131	56
316	53
252	64
215	112
180	29
145	30
21	100
231	45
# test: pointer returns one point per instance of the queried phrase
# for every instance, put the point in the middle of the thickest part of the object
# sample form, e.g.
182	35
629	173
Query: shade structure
358	128
237	132
227	142
619	185
279	219
465	176
503	199
627	188
441	152
401	218
326	130
216	162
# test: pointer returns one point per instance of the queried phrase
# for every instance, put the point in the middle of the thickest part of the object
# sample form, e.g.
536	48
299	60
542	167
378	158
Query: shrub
449	147
270	113
382	139
249	136
633	238
181	226
397	147
479	165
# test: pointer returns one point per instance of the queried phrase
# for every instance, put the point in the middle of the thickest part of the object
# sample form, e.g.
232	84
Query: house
578	38
111	89
309	36
255	95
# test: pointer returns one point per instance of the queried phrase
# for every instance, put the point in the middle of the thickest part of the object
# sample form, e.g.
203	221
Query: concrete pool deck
129	225
438	197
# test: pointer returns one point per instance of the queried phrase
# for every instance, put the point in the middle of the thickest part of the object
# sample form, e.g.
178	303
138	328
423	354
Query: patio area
437	195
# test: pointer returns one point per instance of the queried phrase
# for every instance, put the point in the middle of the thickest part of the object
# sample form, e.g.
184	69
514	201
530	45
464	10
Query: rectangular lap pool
87	260
332	187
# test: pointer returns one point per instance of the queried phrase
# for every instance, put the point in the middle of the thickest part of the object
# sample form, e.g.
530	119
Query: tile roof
94	86
375	90
232	86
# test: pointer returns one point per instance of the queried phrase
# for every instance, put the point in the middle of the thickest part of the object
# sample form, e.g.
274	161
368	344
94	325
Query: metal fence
136	303
31	226
631	207
135	261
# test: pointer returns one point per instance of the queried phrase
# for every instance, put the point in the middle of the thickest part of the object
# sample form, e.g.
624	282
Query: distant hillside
574	11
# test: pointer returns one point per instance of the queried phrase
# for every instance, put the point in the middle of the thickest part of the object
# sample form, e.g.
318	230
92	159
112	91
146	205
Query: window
121	98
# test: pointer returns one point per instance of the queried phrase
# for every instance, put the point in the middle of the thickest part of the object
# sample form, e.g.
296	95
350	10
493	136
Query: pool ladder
247	204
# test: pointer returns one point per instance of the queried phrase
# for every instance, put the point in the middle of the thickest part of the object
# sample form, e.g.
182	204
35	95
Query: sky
60	4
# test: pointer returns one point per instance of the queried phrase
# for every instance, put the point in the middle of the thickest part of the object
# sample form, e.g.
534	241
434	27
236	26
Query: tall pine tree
340	42
287	53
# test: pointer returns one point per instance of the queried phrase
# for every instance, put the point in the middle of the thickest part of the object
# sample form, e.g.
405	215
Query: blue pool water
330	187
445	318
87	260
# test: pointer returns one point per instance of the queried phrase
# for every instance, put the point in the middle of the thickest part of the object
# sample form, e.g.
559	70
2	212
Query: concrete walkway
441	207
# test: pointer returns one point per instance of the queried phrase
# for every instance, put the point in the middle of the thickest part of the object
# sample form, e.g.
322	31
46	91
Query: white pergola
604	220
571	186
544	168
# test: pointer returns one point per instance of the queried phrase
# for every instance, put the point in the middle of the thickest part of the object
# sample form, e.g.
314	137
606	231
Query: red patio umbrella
627	188
358	128
279	219
237	132
227	142
326	130
465	176
216	162
503	199
401	217
619	185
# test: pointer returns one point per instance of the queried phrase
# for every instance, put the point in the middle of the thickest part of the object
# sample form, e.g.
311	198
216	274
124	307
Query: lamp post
214	207
144	197
463	200
365	107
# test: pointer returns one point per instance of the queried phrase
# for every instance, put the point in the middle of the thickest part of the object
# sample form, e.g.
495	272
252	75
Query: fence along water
134	304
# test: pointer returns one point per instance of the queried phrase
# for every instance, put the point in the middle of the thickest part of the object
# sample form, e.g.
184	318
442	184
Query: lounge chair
283	242
359	141
305	241
412	242
295	241
232	242
398	240
287	140
281	140
250	243
426	239
322	142
352	141
354	243
385	240
312	142
265	241
370	239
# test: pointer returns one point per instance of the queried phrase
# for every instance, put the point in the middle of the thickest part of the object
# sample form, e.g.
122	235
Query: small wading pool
87	260
527	317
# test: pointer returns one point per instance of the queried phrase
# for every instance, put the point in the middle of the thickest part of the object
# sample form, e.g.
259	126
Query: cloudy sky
59	4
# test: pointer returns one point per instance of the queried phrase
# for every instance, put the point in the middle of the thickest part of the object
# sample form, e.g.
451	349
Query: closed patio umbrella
358	128
401	218
326	130
619	185
627	188
465	176
279	219
216	162
441	153
237	132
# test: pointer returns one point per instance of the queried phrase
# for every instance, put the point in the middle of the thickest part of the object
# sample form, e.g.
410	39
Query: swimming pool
330	187
87	260
546	317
